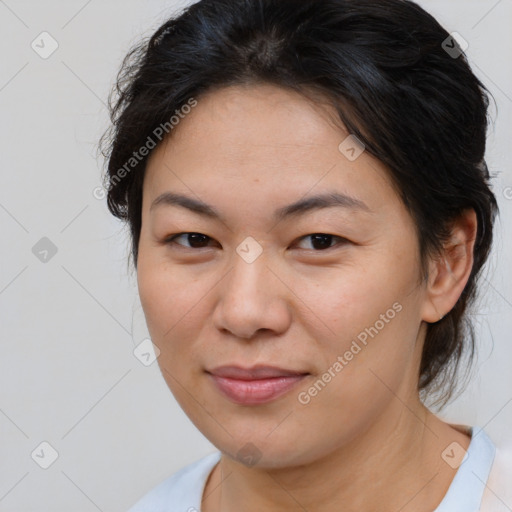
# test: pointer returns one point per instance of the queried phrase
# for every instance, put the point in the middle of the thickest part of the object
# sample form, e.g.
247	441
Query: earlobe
450	271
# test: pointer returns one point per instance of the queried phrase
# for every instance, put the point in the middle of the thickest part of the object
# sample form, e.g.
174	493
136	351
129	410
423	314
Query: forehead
262	140
260	121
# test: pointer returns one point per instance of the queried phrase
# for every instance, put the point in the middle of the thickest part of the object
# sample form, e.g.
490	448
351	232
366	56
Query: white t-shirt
475	487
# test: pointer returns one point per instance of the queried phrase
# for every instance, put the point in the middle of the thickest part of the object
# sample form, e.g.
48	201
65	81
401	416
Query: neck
394	465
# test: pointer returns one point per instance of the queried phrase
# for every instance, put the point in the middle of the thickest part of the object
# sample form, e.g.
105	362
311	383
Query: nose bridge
247	283
249	298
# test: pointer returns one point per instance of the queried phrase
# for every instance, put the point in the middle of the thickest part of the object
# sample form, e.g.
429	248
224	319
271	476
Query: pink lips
254	386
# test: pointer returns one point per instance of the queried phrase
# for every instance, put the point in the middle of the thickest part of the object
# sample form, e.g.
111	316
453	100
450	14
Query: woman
309	205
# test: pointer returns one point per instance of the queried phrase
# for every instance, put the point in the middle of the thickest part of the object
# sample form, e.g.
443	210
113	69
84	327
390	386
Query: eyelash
171	240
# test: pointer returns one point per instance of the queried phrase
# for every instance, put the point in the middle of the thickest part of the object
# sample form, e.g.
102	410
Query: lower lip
255	392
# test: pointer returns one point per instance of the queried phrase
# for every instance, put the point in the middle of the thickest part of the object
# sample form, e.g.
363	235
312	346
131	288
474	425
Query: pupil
195	239
325	241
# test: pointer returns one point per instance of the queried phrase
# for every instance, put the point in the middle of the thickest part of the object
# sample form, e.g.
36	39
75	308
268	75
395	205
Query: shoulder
181	492
498	490
482	480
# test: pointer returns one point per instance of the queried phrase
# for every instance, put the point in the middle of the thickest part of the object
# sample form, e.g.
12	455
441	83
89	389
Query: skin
246	151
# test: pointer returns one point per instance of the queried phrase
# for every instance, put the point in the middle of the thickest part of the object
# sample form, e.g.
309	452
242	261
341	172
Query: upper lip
256	372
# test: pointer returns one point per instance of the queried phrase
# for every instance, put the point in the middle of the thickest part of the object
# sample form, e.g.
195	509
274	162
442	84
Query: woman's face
256	287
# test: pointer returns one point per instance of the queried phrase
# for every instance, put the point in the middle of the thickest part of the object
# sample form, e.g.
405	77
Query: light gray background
69	326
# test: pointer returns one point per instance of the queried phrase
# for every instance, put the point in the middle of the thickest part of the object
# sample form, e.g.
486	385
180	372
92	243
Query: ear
449	272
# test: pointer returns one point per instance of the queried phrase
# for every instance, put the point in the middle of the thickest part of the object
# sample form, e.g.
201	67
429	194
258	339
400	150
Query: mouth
254	386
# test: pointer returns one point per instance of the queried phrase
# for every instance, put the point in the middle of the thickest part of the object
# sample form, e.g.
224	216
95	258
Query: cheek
367	315
343	302
177	305
167	295
367	366
172	305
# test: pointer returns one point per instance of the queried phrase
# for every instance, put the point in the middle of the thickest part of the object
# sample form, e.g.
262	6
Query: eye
322	241
319	241
196	240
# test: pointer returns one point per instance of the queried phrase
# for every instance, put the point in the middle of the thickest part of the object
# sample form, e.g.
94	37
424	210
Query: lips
254	386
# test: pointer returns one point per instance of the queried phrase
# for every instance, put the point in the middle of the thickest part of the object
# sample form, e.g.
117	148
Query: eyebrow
300	207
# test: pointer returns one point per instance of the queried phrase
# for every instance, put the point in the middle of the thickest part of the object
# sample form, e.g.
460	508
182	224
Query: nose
252	298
